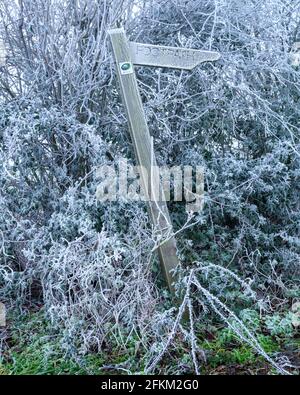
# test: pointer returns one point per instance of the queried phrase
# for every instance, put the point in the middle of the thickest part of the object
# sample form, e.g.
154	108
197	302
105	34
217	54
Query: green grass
35	350
226	350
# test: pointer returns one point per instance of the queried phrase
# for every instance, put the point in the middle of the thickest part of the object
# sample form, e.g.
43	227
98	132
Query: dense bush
90	263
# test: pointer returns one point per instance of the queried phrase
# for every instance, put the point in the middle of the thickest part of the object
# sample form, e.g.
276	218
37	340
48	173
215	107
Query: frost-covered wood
141	138
171	57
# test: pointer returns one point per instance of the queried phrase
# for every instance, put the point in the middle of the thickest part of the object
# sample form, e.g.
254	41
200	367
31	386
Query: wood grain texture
141	139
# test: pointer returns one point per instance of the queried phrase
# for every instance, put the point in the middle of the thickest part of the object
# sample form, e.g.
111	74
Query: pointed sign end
209	56
217	56
205	56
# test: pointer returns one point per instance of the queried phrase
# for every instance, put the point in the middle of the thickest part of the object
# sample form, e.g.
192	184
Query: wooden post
127	54
2	315
141	139
2	53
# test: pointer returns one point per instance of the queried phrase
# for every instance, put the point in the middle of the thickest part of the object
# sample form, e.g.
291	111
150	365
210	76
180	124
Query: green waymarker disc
126	66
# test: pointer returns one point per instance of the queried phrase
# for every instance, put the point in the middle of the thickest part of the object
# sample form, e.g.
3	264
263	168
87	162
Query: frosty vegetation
93	265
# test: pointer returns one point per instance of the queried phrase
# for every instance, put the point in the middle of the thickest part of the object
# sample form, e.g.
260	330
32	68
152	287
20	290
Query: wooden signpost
2	315
171	57
127	54
2	54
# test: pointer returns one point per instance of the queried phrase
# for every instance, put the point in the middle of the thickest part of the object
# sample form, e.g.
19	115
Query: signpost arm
141	139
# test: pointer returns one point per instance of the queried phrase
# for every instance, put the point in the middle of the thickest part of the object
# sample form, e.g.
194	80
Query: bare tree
91	264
